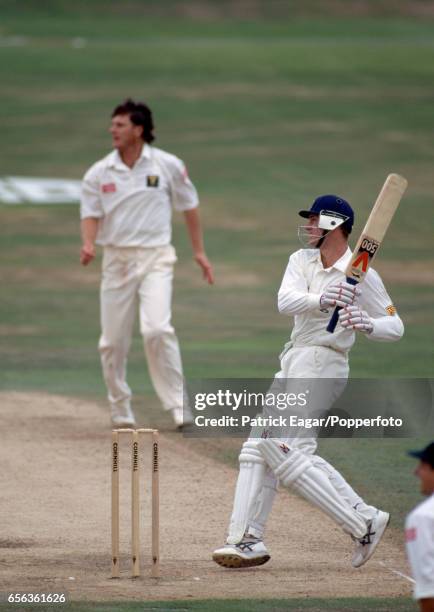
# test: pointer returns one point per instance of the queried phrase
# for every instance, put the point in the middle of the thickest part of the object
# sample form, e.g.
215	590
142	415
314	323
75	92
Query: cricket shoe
124	423
248	553
122	416
365	547
182	417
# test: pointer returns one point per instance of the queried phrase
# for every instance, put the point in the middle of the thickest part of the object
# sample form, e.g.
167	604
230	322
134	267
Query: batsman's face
313	231
310	234
425	473
124	133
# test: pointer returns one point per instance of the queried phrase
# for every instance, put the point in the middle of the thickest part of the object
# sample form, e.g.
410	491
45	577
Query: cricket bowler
126	207
314	284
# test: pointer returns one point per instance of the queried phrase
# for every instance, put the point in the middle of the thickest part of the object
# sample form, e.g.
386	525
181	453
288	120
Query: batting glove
342	294
352	317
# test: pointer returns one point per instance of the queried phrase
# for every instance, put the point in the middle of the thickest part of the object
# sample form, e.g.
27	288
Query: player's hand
342	294
87	253
353	317
206	266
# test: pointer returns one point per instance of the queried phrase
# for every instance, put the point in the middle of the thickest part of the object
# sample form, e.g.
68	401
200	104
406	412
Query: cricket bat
373	233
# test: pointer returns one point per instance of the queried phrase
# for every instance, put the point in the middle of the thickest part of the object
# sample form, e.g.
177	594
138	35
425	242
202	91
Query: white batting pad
262	508
249	484
296	470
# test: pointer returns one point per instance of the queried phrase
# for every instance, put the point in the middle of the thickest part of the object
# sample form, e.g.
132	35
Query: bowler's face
124	132
425	473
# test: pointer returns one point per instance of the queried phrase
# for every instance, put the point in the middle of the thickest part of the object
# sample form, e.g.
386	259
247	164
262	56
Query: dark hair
139	114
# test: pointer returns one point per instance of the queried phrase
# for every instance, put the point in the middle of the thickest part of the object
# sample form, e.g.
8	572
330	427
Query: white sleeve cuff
186	205
386	329
90	215
313	301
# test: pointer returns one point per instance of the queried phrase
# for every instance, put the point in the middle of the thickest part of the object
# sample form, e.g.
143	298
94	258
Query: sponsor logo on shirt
152	180
410	534
391	310
108	188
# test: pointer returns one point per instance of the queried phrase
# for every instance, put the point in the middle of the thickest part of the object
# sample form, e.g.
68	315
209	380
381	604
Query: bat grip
335	316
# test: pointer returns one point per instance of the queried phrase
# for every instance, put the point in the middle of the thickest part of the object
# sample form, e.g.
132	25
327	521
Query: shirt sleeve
388	326
183	192
294	297
90	201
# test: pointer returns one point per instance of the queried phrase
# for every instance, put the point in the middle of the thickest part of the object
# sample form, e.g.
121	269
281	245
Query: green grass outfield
268	111
233	605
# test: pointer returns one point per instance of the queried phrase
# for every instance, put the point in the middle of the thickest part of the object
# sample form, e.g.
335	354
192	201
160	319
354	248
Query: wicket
135	502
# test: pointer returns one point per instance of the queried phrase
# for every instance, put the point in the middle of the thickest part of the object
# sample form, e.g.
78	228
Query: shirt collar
340	264
146	151
115	160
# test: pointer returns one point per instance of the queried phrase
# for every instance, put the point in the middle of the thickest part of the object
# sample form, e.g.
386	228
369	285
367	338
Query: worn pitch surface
55	508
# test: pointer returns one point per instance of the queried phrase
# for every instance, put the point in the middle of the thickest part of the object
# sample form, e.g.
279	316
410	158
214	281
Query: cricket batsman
314	283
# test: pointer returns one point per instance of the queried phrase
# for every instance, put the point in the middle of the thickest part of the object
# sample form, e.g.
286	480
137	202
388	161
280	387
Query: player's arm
375	314
185	199
89	230
294	296
192	220
90	213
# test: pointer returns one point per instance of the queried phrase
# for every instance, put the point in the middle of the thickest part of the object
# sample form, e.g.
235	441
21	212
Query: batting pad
294	469
263	505
249	484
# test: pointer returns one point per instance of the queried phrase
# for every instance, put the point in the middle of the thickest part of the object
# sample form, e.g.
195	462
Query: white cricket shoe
365	547
122	416
248	553
182	416
124	423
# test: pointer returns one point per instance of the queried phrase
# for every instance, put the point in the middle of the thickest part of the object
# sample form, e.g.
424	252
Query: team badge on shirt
152	180
108	188
391	310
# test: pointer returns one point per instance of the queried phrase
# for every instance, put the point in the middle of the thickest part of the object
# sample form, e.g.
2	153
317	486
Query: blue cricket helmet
332	204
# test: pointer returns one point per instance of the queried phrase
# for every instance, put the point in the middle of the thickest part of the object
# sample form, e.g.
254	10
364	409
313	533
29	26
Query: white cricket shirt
305	280
134	205
419	536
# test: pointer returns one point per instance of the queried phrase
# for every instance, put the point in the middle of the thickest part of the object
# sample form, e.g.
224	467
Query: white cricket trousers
131	278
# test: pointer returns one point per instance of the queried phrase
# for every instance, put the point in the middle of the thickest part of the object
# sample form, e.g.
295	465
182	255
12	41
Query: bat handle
335	316
333	320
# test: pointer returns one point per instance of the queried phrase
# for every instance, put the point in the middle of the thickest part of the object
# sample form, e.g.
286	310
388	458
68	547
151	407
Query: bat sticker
362	259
